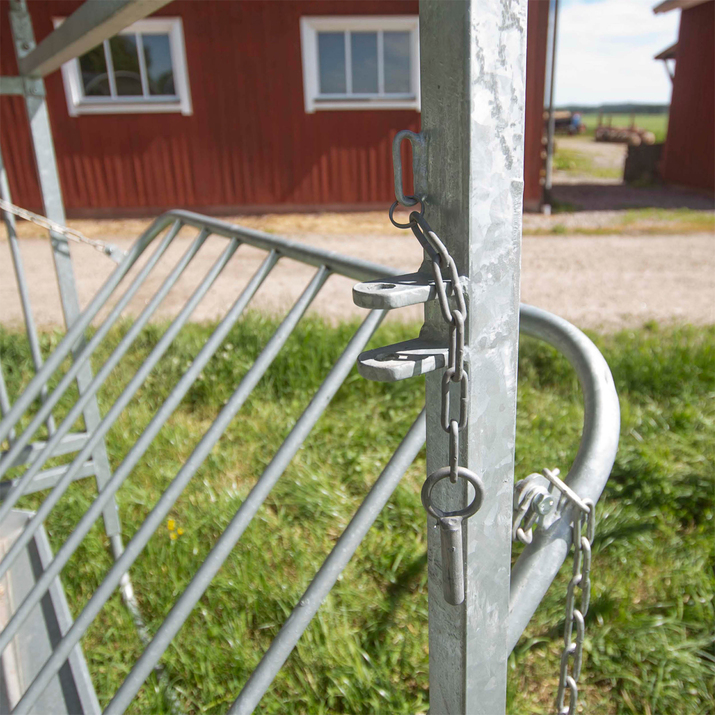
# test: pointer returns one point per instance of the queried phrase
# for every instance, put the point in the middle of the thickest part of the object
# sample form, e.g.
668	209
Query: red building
239	107
689	152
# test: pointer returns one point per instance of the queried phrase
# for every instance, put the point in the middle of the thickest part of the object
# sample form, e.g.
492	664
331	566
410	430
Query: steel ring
395	205
443	473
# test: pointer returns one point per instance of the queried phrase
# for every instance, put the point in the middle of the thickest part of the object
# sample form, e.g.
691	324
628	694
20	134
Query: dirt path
603	282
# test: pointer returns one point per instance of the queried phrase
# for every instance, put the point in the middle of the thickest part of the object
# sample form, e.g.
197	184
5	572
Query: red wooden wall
689	157
249	145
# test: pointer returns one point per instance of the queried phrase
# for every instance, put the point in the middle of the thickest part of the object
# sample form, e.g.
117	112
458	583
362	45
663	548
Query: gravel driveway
605	282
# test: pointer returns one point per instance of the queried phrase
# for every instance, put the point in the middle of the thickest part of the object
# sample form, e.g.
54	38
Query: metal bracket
412	357
419	167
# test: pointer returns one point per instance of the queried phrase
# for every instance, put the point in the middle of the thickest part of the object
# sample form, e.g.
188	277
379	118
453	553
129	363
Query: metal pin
450	529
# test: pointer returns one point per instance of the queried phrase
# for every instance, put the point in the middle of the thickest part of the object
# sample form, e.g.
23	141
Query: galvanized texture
44	152
22	287
539	563
473	67
577	347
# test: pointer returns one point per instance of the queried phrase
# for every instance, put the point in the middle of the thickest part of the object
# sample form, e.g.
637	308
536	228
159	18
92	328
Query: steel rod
102	375
240	521
332	567
72	442
157	514
76	331
22	287
105	425
164	411
5	405
539	563
344	265
27	434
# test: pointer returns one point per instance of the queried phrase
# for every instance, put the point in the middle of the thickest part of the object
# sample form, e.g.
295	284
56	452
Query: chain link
444	271
572	654
115	253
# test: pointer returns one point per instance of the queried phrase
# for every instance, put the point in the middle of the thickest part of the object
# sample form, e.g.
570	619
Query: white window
360	62
140	70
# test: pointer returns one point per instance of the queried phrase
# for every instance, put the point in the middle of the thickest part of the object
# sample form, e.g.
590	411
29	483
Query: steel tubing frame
10	456
129	391
537	565
98	380
149	433
22	287
160	509
240	521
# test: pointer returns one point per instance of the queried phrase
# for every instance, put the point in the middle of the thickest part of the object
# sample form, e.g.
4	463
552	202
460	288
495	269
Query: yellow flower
173	536
170	524
179	531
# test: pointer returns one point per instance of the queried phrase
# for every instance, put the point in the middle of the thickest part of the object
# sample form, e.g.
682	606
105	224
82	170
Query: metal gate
467	171
531	576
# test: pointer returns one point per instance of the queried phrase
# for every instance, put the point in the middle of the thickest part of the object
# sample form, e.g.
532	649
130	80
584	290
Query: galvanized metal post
473	62
49	180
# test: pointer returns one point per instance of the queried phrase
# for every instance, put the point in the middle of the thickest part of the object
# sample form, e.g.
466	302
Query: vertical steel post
473	63
44	150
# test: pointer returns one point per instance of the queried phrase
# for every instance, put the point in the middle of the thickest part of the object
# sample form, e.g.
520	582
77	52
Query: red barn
689	152
239	106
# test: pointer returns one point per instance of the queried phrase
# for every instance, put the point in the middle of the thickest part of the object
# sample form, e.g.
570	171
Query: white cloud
605	52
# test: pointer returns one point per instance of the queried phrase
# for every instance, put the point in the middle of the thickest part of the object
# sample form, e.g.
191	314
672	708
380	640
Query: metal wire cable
108	249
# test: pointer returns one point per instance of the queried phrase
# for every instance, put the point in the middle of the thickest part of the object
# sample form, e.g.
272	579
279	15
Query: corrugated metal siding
690	145
249	144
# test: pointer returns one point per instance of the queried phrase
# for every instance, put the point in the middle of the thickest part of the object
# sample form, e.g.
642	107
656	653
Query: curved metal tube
539	563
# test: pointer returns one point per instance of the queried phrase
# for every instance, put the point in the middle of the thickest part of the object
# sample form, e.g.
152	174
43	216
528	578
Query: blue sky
605	51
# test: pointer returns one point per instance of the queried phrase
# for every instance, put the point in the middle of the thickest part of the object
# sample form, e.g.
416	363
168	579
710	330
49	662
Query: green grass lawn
649	644
656	123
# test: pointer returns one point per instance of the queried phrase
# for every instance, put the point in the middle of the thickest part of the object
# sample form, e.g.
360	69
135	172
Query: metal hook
419	167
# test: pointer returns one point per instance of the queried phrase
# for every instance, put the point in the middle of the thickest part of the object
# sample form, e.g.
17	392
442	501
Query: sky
605	51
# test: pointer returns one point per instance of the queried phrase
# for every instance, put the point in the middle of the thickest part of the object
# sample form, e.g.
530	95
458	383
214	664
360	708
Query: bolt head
543	504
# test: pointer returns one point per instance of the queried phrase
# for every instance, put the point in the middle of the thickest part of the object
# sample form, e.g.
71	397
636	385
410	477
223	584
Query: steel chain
572	654
445	273
115	253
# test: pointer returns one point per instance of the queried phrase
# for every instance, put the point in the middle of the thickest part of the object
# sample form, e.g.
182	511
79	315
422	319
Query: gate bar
241	519
473	78
91	23
332	567
539	563
98	380
49	180
75	332
89	349
105	425
30	327
157	514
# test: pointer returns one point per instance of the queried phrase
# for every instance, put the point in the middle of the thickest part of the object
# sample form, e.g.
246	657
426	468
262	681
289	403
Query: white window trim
78	104
309	28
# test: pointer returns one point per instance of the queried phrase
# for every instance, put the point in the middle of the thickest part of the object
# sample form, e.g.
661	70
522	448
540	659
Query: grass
656	123
649	645
634	222
574	161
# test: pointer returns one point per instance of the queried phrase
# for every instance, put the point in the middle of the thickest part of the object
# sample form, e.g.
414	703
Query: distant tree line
627	108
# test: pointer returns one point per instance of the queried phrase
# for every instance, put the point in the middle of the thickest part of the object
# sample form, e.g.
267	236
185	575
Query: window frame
78	104
311	25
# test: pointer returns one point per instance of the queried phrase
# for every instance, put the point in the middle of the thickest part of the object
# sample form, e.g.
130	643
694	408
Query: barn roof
669	5
668	53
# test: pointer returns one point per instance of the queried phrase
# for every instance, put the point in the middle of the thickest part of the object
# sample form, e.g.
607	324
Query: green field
649	644
656	123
